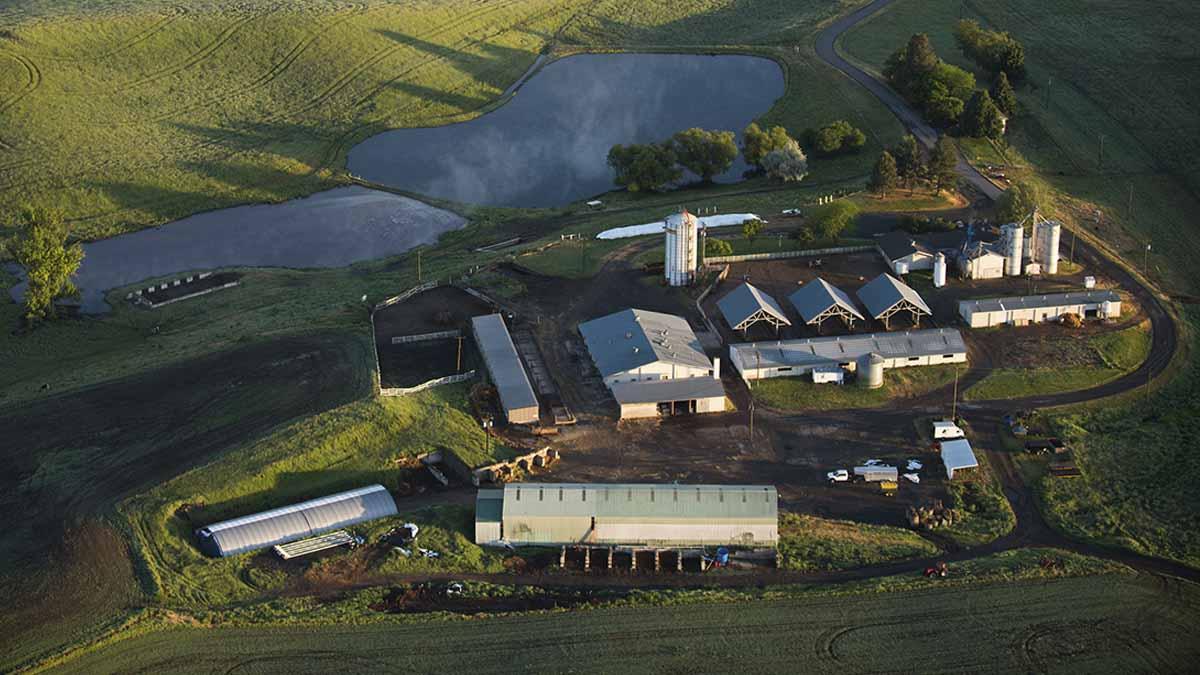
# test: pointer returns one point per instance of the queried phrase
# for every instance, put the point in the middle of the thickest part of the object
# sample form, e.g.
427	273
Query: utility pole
751	419
1146	261
1049	83
419	266
1071	255
954	403
1100	160
458	359
1129	207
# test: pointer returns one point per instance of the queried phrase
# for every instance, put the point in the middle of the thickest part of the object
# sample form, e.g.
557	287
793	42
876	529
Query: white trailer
876	473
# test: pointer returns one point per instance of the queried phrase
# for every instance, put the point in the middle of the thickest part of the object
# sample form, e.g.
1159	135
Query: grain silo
870	370
681	250
1012	237
1047	234
939	270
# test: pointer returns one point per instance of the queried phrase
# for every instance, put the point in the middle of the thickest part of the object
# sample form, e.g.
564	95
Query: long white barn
789	358
1024	310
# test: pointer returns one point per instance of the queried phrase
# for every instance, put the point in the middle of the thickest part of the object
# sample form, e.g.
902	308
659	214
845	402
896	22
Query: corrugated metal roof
500	355
289	523
957	454
1039	301
885	292
817	296
846	348
745	301
489	506
632	338
642	501
656	391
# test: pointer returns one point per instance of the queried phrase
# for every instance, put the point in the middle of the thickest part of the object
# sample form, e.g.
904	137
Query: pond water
548	146
329	229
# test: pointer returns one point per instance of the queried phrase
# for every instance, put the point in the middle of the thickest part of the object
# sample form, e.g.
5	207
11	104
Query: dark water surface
329	229
548	145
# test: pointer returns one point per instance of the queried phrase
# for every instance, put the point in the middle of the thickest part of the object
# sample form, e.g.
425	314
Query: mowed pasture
1109	623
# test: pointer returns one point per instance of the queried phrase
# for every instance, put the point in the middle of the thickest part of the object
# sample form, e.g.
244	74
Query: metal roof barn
298	521
634	338
746	305
504	365
886	295
957	455
1019	310
639	514
784	358
818	300
687	395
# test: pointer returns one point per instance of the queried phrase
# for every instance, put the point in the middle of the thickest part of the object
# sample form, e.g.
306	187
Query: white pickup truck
839	476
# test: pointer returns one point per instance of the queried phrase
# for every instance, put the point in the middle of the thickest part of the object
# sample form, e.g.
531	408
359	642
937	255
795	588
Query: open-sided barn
789	358
298	521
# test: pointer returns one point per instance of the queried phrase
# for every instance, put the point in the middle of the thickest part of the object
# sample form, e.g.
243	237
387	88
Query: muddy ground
440	309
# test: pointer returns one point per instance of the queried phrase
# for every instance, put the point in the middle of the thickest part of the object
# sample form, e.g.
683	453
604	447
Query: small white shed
957	455
946	429
828	375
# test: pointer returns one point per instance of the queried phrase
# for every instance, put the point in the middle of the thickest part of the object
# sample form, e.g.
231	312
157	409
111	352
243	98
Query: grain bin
939	270
870	370
1012	238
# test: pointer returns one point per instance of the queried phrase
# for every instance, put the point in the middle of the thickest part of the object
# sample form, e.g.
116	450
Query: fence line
449	379
405	339
777	255
704	315
407	294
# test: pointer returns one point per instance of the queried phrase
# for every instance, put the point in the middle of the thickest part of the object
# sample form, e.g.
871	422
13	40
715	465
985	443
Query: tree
756	143
884	177
643	167
943	111
1018	201
705	153
716	247
1004	96
910	163
994	51
788	164
829	221
981	118
834	138
943	160
41	248
909	67
751	227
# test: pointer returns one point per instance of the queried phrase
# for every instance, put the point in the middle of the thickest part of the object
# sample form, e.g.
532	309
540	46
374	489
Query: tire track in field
177	12
34	80
266	78
197	57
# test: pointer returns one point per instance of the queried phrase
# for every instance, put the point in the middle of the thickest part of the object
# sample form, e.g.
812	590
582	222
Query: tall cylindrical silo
1048	246
1012	236
939	270
870	370
682	231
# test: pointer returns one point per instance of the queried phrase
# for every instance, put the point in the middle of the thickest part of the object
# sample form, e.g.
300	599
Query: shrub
787	164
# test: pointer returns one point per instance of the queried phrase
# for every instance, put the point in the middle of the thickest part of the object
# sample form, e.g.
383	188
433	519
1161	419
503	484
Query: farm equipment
888	488
938	571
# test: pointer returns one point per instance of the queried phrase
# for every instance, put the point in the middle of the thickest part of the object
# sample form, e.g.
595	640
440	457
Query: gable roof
641	501
846	348
898	244
503	362
658	391
1094	297
632	338
746	305
885	292
818	296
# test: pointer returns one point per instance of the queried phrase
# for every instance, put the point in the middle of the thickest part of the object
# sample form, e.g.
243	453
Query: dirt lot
440	309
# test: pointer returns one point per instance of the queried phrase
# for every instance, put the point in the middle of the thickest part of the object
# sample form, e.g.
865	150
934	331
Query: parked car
839	476
793	212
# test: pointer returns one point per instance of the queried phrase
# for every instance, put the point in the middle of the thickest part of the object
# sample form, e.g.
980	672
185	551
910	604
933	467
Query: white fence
449	379
778	255
407	294
440	335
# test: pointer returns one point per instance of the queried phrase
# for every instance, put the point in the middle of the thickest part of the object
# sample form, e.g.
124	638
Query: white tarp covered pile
724	220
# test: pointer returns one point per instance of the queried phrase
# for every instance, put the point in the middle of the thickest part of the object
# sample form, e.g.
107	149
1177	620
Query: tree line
709	153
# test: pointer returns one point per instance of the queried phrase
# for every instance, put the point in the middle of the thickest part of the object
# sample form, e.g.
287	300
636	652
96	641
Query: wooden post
562	558
657	566
587	558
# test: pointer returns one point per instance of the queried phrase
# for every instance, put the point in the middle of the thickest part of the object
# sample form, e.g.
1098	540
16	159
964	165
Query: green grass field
799	393
808	544
1115	622
1118	352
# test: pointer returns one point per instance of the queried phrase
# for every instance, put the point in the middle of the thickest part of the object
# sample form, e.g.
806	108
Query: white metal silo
939	270
1012	236
681	248
1049	232
870	370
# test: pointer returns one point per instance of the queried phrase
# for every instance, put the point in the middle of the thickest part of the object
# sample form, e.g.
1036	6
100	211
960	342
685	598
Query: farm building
1024	310
636	351
885	296
788	358
957	455
505	368
665	515
819	300
982	260
298	521
906	252
746	305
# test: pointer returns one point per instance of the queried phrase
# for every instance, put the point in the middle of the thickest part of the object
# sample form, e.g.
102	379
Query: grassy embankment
701	626
811	544
1117	353
799	393
1118	74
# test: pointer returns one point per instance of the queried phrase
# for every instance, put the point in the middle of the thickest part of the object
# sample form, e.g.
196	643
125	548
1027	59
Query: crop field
1084	625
